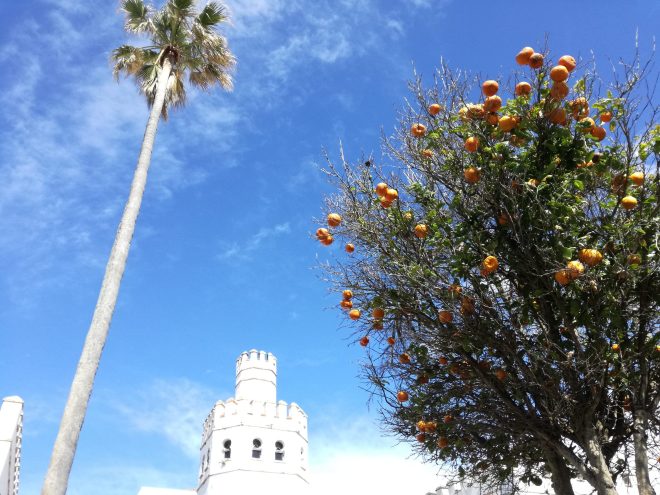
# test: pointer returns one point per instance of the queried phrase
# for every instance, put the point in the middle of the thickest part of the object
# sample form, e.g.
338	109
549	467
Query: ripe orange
591	257
447	419
500	374
346	304
562	277
378	313
327	240
472	175
492	118
598	132
557	116
347	294
536	61
634	259
421	437
524	55
427	153
472	144
559	91
579	107
404	358
445	316
629	202
523	89
334	220
507	123
568	62
364	341
559	73
443	361
637	178
322	233
381	188
435	108
490	87
475	111
421	230
349	248
418	130
391	194
385	203
616	347
492	103
587	125
354	314
606	116
391	340
402	396
575	269
489	264
421	425
431	426
502	219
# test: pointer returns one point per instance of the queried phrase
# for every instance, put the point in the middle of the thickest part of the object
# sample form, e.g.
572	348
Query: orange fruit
378	313
634	259
591	257
455	289
385	203
637	178
346	304
322	233
559	73
402	396
435	108
427	153
349	248
391	340
605	116
391	194
421	437
447	419
492	118
418	130
472	144
500	374
524	55
421	230
421	425
490	87
536	61
354	314
579	107
378	325
568	62
404	358
334	220
598	132
467	306
559	90
587	125
557	116
523	89
327	240
408	216
445	316
381	188
443	443
584	165
616	347
507	123
347	294
562	277
364	341
575	269
472	175
490	264
492	103
431	426
443	361
502	219
629	202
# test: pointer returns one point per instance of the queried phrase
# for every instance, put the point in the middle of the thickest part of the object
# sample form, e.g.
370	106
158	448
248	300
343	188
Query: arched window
227	449
279	450
256	448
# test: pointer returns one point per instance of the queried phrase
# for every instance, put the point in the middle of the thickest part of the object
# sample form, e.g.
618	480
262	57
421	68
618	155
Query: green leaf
567	253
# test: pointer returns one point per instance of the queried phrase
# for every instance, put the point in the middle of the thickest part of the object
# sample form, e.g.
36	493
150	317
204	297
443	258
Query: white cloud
243	250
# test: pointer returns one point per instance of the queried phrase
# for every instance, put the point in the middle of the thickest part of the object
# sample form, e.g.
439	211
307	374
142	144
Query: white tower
251	444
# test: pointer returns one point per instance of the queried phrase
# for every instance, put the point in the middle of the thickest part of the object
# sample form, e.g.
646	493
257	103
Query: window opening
227	446
256	448
279	451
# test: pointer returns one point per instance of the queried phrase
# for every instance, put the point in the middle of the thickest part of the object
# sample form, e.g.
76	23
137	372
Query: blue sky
223	259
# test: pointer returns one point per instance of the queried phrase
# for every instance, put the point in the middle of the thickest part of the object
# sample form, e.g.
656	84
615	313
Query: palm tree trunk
57	476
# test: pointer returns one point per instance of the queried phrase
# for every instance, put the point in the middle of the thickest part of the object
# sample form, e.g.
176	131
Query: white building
252	443
11	430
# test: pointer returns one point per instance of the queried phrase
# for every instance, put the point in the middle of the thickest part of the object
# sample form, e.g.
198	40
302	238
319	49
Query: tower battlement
256	376
256	359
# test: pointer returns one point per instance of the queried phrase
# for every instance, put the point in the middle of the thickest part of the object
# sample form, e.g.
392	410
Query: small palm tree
183	43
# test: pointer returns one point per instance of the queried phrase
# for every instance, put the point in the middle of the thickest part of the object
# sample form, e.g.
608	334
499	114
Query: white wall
11	428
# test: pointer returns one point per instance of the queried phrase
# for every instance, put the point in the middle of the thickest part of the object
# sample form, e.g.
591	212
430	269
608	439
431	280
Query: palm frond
129	59
210	75
138	19
180	8
211	15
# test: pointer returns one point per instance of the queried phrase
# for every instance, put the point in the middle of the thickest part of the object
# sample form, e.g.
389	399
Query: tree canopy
502	272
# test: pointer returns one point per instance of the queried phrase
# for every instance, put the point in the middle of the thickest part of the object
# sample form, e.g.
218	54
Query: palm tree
183	43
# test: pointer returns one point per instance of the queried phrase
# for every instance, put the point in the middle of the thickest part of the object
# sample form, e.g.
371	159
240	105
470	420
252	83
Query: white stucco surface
11	430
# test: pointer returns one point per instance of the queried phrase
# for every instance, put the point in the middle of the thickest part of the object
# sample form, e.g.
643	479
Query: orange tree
502	274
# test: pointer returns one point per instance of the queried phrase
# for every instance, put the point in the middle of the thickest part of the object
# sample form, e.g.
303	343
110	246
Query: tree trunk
603	482
57	476
640	426
560	474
